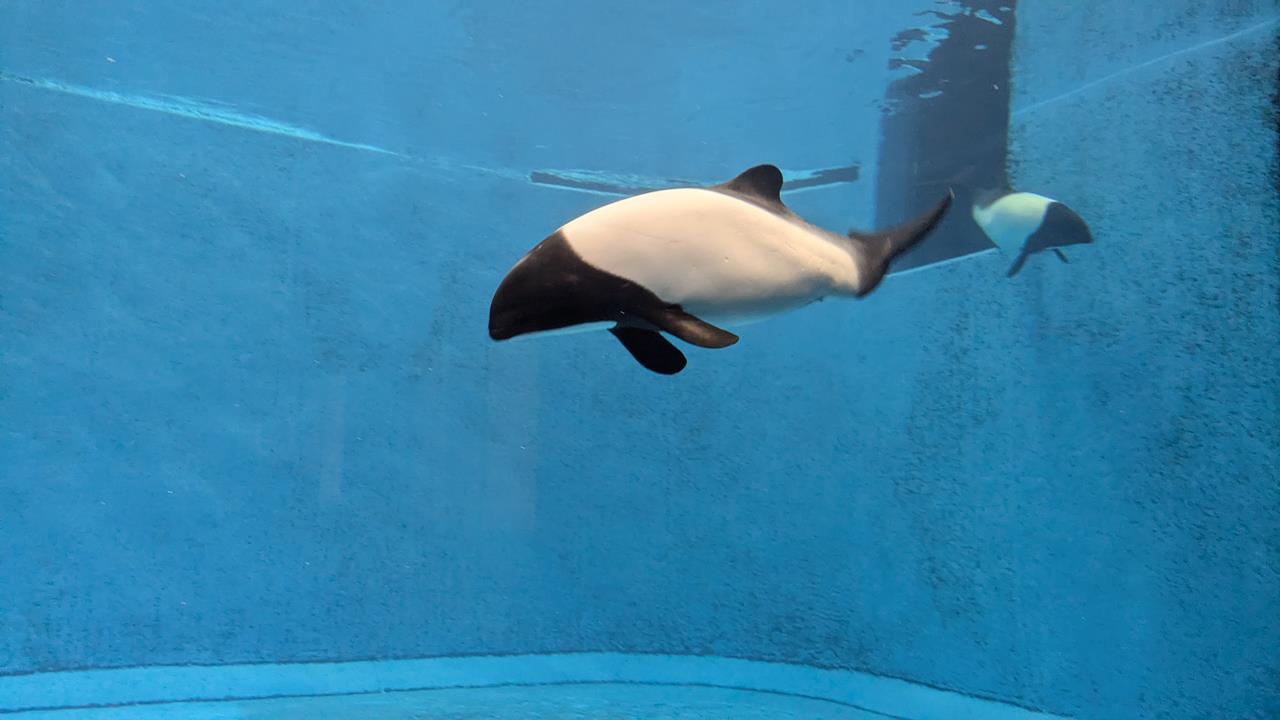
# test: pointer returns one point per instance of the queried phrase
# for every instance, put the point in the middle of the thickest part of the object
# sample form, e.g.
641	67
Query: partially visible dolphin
690	262
1023	223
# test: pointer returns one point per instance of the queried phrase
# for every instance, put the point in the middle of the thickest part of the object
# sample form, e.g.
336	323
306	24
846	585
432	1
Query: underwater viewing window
665	360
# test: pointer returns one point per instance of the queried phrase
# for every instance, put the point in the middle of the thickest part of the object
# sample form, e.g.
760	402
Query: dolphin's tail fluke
880	248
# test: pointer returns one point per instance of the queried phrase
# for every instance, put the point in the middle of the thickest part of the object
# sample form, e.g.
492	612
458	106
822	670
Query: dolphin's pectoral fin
692	330
1061	255
650	349
1018	263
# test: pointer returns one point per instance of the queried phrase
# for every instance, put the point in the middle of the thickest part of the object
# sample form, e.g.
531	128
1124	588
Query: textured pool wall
248	410
248	407
1083	512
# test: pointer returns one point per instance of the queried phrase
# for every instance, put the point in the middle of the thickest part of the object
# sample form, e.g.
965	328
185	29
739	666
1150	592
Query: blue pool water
259	458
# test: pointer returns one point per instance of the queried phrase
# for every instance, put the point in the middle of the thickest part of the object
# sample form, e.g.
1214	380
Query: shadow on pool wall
946	125
254	419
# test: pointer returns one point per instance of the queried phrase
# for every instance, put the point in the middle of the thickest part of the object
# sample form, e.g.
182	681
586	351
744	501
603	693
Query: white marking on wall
207	111
1148	63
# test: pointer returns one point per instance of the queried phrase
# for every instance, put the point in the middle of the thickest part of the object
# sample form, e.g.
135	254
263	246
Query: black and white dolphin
1023	223
690	262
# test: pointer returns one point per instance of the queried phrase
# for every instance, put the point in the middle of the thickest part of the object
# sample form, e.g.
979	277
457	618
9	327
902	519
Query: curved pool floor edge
54	694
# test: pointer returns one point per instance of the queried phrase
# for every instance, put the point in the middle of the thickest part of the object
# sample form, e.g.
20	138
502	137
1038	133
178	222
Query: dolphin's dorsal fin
761	184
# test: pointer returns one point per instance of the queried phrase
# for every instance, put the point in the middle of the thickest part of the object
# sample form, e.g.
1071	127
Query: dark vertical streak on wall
947	126
1275	119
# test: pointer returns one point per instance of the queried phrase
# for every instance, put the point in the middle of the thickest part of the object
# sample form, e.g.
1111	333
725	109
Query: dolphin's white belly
1009	221
720	258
